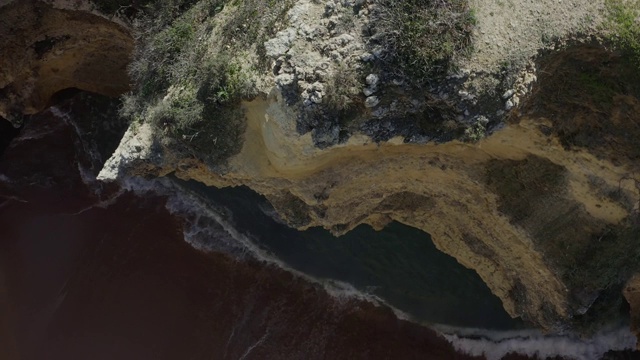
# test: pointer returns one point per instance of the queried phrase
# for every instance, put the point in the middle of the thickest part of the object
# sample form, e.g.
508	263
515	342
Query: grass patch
253	22
600	88
519	183
591	95
589	255
343	92
623	24
424	36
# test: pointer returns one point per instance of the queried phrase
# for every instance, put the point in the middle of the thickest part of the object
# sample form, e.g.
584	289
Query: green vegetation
187	82
600	88
424	36
343	92
475	133
606	259
623	23
590	255
589	94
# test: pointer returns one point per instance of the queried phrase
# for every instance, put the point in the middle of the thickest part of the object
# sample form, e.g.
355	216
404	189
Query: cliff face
47	49
525	176
518	207
544	207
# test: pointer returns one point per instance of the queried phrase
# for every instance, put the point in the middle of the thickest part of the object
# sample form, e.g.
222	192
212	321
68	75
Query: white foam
496	344
209	227
103	204
89	148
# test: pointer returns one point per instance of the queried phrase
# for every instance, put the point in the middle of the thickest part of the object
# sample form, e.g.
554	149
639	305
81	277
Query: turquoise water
399	264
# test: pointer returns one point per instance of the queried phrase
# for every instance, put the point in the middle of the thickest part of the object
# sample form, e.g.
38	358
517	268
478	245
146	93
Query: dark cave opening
7	133
62	96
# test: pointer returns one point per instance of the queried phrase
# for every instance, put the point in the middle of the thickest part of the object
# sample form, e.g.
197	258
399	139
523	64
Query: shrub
423	36
187	88
623	23
252	23
344	90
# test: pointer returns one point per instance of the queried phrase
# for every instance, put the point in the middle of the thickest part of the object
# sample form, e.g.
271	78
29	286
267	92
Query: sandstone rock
285	79
136	151
50	49
372	80
366	57
509	105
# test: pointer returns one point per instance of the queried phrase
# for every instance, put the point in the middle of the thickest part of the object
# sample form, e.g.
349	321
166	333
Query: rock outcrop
544	222
454	191
52	46
79	257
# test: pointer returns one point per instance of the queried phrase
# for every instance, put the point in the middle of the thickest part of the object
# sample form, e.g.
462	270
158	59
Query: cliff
512	143
52	46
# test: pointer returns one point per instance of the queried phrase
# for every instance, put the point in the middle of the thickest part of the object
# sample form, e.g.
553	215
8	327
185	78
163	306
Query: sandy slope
514	30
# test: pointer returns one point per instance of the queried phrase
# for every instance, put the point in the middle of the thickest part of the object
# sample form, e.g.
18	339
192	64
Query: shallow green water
399	264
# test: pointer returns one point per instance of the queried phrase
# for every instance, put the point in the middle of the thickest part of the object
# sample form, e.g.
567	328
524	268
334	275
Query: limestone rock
136	151
372	101
279	45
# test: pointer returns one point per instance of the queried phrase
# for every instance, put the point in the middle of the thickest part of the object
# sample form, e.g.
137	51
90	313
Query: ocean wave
496	344
209	227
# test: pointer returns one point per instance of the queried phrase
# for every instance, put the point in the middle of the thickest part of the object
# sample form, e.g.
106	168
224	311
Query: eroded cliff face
46	49
543	215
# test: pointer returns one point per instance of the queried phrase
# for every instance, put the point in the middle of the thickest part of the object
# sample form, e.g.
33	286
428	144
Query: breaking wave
209	227
496	344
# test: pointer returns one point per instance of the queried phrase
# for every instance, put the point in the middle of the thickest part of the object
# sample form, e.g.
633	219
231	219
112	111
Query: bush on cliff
422	37
623	23
186	86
